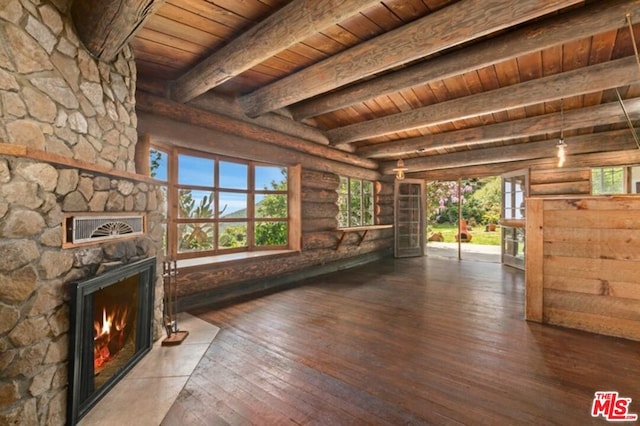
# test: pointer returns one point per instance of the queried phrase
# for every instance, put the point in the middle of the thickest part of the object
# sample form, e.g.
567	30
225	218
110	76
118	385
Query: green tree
272	206
195	236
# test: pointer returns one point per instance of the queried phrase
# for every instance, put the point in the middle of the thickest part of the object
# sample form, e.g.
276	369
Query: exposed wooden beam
183	134
608	113
211	120
591	19
459	23
106	26
590	79
288	26
600	159
596	142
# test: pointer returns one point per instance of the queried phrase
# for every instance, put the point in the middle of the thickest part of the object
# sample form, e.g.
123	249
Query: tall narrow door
514	192
409	218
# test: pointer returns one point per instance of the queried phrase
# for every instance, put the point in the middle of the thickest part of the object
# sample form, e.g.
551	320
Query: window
608	180
159	169
220	205
355	202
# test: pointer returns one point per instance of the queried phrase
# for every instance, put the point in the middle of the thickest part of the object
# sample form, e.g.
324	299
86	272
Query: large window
355	202
608	180
219	205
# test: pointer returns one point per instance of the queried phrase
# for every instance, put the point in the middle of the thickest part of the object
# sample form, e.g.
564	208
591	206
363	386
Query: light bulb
562	155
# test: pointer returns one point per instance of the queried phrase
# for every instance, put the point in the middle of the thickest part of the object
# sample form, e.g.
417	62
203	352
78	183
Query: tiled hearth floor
143	397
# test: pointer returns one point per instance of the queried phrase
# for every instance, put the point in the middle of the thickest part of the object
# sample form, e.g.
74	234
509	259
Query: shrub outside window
221	205
355	202
608	180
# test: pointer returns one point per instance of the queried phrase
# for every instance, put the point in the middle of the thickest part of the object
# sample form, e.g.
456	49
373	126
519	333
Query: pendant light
561	146
400	169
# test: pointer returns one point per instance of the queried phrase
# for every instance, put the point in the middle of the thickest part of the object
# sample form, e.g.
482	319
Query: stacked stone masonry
56	98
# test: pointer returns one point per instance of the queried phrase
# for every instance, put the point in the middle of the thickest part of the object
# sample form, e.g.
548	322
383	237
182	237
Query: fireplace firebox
111	329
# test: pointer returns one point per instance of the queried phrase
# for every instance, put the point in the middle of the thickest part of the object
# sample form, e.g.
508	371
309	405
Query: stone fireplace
67	146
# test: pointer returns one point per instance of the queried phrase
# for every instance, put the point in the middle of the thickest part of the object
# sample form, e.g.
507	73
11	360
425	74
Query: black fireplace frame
81	331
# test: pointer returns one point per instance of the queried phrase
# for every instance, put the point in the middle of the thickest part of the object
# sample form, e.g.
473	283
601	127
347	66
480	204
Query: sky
200	171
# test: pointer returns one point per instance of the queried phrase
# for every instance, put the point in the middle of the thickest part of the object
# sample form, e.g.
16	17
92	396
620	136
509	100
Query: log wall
583	257
560	182
320	180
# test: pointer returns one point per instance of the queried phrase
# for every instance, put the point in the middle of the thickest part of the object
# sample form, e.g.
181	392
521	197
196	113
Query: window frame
173	221
362	208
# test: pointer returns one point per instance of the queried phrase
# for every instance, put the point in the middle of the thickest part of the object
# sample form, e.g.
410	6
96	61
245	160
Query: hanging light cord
633	39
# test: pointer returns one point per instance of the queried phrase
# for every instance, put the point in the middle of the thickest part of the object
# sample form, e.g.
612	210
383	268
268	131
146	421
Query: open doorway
462	219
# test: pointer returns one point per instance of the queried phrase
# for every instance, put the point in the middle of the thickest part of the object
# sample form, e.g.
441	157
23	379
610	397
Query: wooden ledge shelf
360	230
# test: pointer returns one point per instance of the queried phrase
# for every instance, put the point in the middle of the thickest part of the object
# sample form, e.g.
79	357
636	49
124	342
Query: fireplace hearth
111	330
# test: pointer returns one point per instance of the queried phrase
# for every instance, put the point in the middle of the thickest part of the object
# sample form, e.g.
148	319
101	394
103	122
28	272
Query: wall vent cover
89	229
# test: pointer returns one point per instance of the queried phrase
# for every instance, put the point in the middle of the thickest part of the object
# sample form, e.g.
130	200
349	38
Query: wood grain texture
456	24
554	87
541	125
286	27
105	26
598	17
409	341
534	265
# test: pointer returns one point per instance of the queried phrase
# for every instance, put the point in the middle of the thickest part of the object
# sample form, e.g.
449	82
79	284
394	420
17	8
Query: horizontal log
319	195
576	82
284	28
319	224
319	240
318	210
561	188
230	108
210	120
594	18
557	176
177	133
600	159
618	140
448	27
541	125
592	236
320	179
106	26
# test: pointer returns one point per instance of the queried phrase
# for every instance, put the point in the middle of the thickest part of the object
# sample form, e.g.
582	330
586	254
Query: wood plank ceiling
470	85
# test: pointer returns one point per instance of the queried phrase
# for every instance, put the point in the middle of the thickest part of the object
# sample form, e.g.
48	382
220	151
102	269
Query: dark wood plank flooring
402	341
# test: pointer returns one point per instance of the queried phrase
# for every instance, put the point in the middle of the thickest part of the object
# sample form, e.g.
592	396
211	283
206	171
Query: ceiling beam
106	26
461	22
608	113
591	19
578	161
590	79
211	120
286	27
596	142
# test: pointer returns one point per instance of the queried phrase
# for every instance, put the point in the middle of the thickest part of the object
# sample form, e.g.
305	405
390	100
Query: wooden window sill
361	230
231	258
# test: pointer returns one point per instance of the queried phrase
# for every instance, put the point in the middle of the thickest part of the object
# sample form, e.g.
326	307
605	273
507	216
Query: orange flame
108	334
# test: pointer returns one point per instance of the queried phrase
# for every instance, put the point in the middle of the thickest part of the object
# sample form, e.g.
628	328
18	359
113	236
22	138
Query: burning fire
108	335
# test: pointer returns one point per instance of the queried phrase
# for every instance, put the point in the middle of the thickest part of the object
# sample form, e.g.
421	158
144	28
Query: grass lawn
478	234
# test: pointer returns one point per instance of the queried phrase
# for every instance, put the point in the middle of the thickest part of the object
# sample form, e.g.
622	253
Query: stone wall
57	101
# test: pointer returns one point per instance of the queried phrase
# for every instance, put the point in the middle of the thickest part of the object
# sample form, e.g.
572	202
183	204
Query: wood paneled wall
583	258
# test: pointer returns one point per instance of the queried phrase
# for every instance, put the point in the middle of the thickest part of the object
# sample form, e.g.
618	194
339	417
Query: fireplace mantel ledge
48	157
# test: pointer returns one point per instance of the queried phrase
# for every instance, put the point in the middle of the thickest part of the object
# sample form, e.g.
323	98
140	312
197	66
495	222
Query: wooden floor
409	341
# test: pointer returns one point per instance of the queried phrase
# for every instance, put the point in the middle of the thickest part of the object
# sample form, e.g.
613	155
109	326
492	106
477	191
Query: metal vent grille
97	228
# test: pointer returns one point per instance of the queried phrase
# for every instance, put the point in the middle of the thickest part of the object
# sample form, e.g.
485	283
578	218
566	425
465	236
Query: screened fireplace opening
111	330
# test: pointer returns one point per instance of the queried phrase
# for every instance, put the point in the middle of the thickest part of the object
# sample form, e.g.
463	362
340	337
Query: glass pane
232	234
271	206
271	233
271	178
158	164
195	171
195	237
233	175
343	188
355	202
343	213
232	205
367	203
195	204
